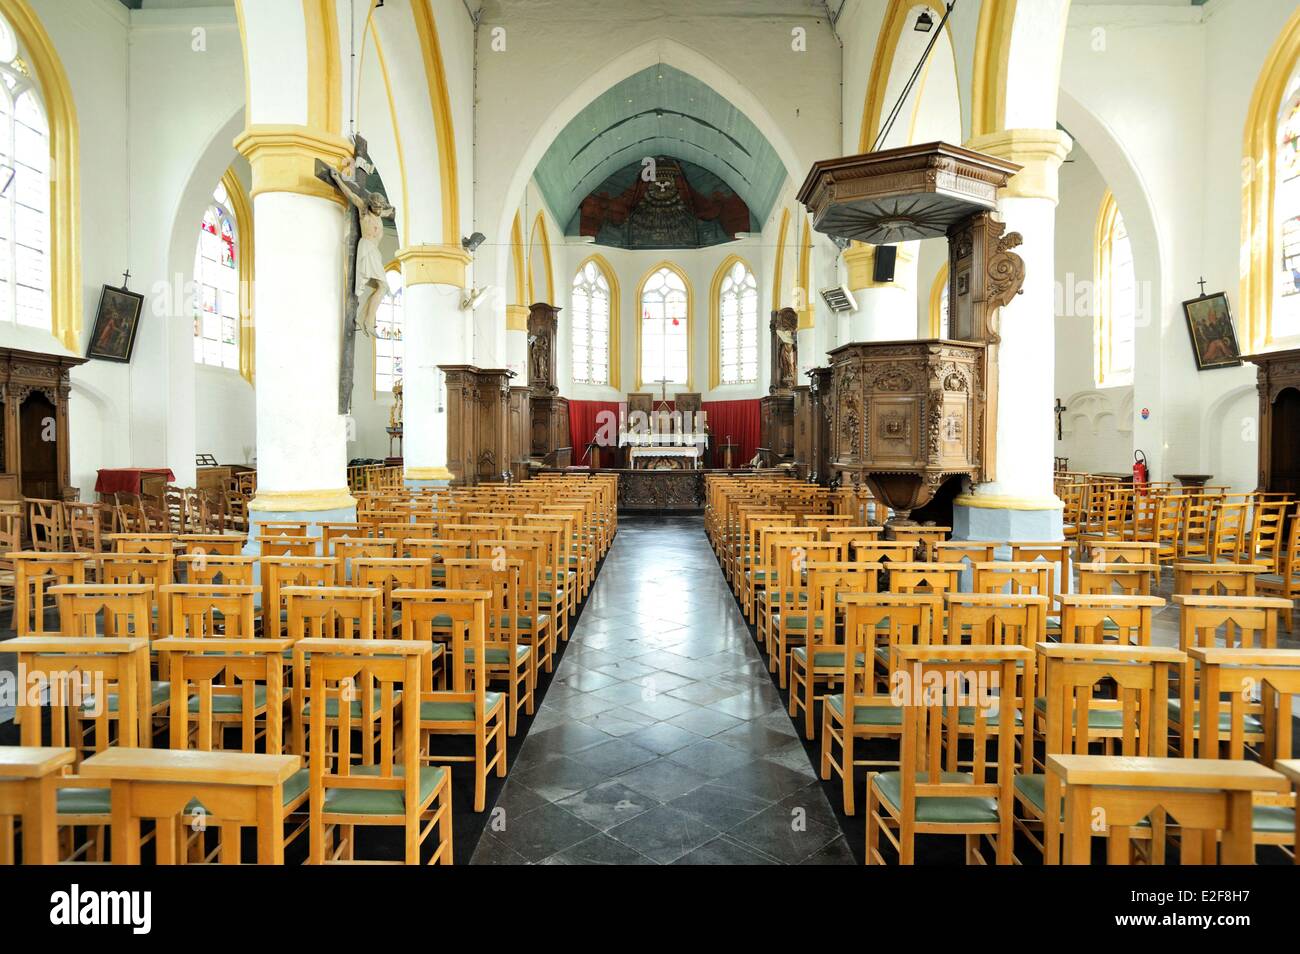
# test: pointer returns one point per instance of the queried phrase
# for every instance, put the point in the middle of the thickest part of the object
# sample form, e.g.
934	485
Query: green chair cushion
341	800
825	658
526	622
84	801
1033	788
867	715
1274	819
1269	578
159	693
795	622
224	704
332	705
1252	723
939	809
966	716
436	710
498	655
1097	718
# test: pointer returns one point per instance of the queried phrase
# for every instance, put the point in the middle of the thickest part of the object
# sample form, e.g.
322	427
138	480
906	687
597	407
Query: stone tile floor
662	739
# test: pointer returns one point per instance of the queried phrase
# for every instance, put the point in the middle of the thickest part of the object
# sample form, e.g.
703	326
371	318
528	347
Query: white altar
650	451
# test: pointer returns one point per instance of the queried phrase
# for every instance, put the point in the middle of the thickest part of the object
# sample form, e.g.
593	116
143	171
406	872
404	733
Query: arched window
738	326
940	327
1116	297
665	329
388	335
1286	305
591	319
24	191
216	286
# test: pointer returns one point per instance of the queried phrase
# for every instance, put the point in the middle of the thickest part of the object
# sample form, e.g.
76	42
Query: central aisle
662	739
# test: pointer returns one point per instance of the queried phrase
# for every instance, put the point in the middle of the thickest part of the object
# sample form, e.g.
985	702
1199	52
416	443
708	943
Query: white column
1020	502
299	227
886	310
435	331
517	340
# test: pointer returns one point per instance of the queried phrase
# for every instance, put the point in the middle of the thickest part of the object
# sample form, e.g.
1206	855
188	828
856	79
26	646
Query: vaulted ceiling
660	111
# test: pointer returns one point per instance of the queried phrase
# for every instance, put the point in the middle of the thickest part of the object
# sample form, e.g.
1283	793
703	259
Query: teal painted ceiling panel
660	111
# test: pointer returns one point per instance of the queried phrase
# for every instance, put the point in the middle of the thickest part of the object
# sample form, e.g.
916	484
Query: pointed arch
242	210
690	320
715	316
1259	152
65	172
892	29
539	233
324	66
803	295
778	264
517	260
989	80
615	313
936	301
427	30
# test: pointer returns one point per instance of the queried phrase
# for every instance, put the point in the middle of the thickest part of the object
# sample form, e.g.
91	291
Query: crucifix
126	276
1059	409
1201	282
363	265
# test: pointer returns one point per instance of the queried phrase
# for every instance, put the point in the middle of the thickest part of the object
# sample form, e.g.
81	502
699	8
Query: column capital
284	157
294	501
1039	151
860	260
433	265
428	473
516	317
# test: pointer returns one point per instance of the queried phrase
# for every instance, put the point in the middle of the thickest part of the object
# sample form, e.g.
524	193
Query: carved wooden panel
478	423
520	431
35	389
550	427
804	425
822	406
543	320
776	423
1278	384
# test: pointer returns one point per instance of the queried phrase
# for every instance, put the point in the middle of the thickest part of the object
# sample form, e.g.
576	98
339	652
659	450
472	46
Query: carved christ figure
371	280
788	369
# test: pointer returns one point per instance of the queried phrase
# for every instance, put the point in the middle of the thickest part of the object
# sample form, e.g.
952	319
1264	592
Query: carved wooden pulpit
776	411
548	412
907	416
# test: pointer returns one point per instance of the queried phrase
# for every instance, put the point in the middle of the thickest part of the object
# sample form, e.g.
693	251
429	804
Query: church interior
695	432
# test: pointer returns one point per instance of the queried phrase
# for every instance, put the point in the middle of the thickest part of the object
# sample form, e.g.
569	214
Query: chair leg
846	753
873	823
480	768
825	772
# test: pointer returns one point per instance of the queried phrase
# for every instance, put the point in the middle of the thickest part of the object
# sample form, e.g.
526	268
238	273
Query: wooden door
38	437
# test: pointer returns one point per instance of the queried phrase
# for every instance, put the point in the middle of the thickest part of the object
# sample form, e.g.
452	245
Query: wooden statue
785	351
542	322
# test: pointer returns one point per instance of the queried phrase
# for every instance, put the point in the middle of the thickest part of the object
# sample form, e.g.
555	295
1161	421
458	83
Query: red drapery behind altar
735	420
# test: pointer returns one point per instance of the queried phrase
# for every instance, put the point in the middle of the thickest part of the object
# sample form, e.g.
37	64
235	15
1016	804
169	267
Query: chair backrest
331	531
1027	577
85	527
1102	618
1257	682
1248	622
1217	579
461	616
388	574
211	609
213	568
883	551
204	671
373	674
282	544
109	609
828	584
964	551
791	558
1131	579
211	544
45	523
156	569
283	528
501	578
348	549
925	577
1121	551
332	612
34	575
1266	542
996	619
279	572
1055	553
903	620
1229	532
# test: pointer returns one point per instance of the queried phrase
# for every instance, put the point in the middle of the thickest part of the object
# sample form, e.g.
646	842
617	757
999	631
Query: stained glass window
1286	215
24	191
590	301
216	286
388	335
738	327
665	315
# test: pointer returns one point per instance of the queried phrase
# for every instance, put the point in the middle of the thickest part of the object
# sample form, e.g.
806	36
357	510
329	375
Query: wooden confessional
35	437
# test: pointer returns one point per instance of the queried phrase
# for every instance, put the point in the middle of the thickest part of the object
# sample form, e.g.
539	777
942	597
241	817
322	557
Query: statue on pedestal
785	351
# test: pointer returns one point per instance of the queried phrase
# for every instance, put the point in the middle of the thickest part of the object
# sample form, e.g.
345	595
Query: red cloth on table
737	420
126	480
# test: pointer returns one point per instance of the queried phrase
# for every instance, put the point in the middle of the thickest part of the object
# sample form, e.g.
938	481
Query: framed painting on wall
116	321
1214	339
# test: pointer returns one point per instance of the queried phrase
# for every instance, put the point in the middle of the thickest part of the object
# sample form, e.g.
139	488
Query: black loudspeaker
884	263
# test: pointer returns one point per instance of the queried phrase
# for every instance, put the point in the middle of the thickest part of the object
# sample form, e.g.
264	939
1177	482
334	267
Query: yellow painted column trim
615	314
936	301
433	265
517	257
324	69
804	293
397	133
242	209
1102	246
539	231
778	264
516	317
284	157
989	78
65	171
293	501
892	27
444	128
1039	152
715	318
428	473
690	321
998	502
1259	163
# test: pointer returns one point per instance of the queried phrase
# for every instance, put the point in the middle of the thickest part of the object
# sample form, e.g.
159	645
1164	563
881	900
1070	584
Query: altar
664	451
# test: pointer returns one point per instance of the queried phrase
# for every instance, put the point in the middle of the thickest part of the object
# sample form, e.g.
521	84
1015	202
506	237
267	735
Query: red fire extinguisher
1140	471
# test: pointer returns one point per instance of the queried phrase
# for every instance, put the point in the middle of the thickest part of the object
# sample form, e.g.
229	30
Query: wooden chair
29	791
436	550
536	623
333	530
788	619
507	656
923	796
1290	770
285	528
284	545
160	543
211	544
34	575
924	537
1266	542
96	685
281	572
206	568
865	709
1238	685
1217	579
1091	618
45	523
883	551
763	572
1120	551
211	609
347	549
11	542
393	790
1285	582
467	707
1128	579
822	656
1211	795
1135	719
1247	622
155	569
84	527
387	574
551	584
964	551
1018	577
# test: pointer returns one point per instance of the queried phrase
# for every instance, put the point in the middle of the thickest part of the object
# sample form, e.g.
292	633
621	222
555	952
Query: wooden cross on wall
1060	409
356	176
